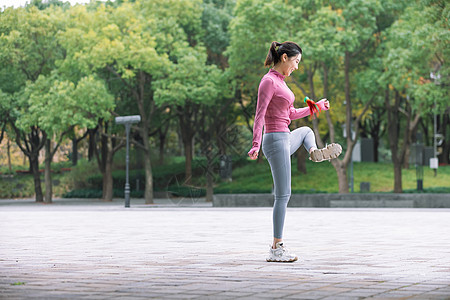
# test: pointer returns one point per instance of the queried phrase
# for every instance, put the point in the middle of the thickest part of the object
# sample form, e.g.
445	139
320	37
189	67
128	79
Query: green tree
56	106
28	49
185	94
5	108
120	44
415	49
216	18
318	35
356	27
329	32
44	4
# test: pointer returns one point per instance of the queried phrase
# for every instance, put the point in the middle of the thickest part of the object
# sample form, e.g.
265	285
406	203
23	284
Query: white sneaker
329	152
280	254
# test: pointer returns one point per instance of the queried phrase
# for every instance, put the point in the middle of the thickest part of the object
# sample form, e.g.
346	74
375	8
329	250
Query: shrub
16	186
186	191
83	193
97	193
163	176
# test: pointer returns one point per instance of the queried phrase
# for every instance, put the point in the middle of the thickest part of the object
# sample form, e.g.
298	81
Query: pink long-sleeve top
275	109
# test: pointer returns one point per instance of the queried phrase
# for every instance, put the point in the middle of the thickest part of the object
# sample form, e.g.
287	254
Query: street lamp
127	121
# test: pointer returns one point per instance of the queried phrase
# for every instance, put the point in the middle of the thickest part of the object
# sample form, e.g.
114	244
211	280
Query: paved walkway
98	250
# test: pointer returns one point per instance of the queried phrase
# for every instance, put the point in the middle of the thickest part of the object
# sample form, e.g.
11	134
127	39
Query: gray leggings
278	148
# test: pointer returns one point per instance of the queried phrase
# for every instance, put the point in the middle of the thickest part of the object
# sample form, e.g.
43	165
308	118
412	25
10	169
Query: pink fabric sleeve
265	94
297	113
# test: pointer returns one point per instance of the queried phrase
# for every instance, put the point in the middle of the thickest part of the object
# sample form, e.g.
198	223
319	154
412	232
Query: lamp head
128	119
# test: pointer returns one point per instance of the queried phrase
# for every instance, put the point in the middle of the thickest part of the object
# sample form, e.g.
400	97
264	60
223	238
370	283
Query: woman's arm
297	113
265	93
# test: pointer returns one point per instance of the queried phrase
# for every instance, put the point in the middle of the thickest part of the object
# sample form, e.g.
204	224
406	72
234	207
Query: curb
337	200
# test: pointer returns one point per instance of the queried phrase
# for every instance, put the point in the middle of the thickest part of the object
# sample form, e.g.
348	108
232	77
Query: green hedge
178	191
163	176
97	193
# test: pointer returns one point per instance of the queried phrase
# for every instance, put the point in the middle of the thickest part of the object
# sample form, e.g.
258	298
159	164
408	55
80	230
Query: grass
249	177
322	177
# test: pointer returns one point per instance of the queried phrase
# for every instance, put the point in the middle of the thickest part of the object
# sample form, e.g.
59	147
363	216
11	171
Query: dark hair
278	49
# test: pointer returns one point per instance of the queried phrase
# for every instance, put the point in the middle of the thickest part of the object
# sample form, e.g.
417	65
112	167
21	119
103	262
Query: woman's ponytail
276	50
272	56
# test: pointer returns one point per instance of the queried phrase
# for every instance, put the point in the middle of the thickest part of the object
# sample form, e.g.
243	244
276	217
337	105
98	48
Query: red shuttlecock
313	107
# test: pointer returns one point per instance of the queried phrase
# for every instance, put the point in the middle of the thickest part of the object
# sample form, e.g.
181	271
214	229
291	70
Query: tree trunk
393	129
144	132
148	194
410	129
188	164
341	171
188	119
47	172
340	165
34	168
162	141
444	156
207	130
108	183
302	155
207	150
222	136
376	138
74	151
31	144
105	162
398	178
209	184
8	149
92	144
376	143
187	135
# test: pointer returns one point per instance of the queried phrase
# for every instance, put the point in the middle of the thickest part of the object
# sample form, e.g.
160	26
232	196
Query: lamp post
127	121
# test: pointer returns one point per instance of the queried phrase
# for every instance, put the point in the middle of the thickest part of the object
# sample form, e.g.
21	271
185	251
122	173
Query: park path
96	250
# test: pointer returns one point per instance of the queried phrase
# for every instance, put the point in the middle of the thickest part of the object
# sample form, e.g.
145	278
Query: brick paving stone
337	297
362	292
315	294
429	297
101	250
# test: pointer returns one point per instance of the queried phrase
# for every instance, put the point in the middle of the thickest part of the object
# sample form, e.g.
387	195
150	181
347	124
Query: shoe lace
282	250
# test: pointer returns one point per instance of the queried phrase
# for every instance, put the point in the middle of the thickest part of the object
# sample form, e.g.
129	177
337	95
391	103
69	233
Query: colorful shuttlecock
313	107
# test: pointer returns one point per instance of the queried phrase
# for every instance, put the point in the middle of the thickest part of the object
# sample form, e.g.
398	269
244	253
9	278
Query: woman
275	111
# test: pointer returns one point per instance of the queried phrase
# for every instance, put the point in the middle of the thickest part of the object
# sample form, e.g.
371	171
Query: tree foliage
185	65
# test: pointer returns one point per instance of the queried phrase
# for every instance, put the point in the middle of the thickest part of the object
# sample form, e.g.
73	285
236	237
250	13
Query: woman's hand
324	104
253	153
